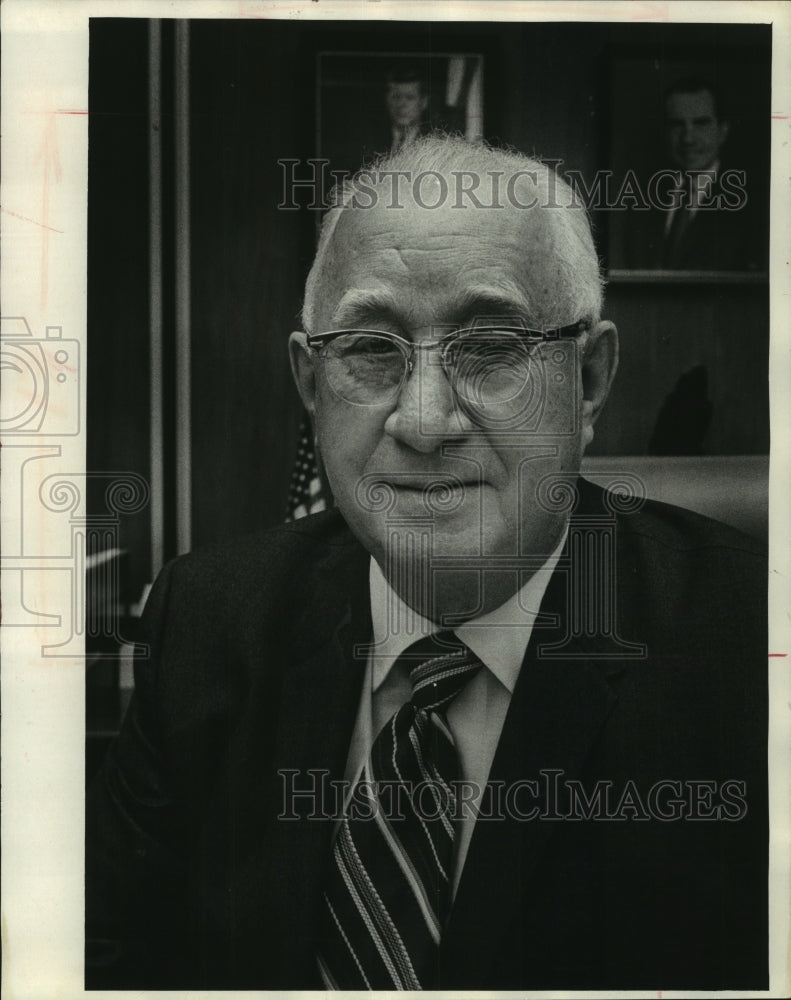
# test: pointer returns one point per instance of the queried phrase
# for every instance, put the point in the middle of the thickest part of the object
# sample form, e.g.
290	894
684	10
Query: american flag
308	492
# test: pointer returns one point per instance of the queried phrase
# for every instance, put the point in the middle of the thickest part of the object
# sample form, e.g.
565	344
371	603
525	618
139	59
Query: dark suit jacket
378	140
718	239
193	881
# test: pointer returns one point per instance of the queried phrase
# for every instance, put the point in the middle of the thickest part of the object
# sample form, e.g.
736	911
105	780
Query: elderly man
483	726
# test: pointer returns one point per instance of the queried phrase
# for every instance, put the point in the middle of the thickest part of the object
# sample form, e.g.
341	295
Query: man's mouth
420	484
444	493
435	493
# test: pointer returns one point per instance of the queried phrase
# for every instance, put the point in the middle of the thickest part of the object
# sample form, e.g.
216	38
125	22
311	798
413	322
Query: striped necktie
388	888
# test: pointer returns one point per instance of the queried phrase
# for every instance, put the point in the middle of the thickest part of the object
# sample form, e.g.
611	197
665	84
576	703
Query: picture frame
368	103
650	162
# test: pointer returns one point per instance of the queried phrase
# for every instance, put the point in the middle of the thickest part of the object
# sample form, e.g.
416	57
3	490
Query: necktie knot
439	667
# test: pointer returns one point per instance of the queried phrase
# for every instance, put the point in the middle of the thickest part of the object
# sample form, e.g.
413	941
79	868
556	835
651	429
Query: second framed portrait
689	152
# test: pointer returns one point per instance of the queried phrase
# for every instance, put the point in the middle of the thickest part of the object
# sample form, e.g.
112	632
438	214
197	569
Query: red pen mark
62	111
778	654
26	218
48	153
780	118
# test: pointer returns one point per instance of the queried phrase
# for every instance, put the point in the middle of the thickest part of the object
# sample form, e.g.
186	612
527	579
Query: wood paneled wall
665	330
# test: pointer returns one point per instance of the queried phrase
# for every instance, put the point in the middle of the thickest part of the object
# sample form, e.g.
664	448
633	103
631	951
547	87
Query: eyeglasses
495	368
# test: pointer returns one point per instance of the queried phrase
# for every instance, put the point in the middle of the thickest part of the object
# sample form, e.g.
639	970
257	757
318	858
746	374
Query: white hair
569	249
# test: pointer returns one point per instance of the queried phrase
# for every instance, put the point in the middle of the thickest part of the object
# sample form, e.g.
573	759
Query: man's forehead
424	218
444	251
697	102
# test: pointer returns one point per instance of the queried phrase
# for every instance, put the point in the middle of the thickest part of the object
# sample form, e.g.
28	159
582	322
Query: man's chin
448	543
455	583
438	538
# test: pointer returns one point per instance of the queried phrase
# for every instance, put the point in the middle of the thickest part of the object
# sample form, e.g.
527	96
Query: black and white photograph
389	476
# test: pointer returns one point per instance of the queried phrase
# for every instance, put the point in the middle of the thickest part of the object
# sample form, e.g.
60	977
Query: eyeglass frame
316	341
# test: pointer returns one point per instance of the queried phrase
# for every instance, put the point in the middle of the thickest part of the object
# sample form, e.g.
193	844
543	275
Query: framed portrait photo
370	103
689	153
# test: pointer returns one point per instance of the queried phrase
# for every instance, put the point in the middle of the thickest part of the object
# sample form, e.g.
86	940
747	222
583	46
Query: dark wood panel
666	330
118	316
247	273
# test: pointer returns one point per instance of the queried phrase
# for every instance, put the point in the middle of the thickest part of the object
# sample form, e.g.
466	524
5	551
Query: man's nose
426	413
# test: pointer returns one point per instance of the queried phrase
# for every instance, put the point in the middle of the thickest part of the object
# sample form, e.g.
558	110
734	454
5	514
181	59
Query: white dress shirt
475	717
400	136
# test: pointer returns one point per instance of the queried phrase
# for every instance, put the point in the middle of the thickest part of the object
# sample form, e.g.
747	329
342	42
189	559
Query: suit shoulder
676	529
694	567
275	566
674	540
311	537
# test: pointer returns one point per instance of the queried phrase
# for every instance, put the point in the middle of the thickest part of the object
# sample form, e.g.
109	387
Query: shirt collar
499	638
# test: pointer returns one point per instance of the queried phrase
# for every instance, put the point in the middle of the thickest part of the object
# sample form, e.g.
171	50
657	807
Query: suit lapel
318	704
557	710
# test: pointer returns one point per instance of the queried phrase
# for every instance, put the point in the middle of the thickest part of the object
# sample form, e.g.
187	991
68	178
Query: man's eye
380	346
367	347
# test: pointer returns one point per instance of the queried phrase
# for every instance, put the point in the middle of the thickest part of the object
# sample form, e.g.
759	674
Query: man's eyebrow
478	302
474	302
358	306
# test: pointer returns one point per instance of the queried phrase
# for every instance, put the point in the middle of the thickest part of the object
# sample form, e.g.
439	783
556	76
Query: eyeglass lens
487	370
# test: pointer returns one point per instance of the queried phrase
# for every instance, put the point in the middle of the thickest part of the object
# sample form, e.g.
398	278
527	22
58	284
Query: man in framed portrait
406	99
699	215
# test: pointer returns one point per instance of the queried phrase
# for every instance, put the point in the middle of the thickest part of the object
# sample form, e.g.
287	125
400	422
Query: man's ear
599	365
303	370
